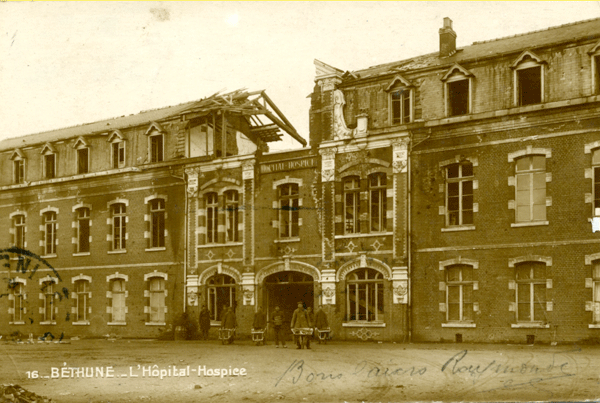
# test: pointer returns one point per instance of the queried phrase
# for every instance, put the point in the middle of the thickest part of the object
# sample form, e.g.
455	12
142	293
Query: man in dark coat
300	321
277	322
228	321
321	320
260	321
204	322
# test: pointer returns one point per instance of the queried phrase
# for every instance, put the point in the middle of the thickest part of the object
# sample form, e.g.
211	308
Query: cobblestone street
190	371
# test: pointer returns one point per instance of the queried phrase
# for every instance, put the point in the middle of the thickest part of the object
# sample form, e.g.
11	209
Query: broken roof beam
291	130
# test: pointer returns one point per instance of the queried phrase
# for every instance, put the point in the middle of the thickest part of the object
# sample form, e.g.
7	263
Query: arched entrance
285	289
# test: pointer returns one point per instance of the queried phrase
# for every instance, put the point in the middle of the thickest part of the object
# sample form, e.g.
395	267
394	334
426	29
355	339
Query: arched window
530	175
49	233
289	210
459	194
221	293
364	295
17	295
231	216
459	293
119	226
83	229
212	217
352	205
157	223
48	310
157	300
378	201
118	294
19	230
531	291
82	301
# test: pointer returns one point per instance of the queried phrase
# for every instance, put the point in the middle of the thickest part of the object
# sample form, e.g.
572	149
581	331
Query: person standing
321	320
300	321
204	322
310	315
229	321
277	321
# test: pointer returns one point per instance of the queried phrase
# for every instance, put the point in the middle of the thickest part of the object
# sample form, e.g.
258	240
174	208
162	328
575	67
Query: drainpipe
185	239
408	236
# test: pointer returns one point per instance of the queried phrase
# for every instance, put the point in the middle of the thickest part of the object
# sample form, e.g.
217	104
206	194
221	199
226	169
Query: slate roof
583	30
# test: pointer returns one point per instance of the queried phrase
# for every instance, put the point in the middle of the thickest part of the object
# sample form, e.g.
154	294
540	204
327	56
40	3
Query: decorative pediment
80	143
595	48
17	155
527	56
115	136
456	69
398	81
154	126
48	149
324	70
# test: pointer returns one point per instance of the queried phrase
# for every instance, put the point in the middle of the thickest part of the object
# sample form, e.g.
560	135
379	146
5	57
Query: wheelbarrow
302	335
258	336
323	335
226	335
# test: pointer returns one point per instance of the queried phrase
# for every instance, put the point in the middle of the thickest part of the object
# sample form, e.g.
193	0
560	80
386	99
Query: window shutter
442	307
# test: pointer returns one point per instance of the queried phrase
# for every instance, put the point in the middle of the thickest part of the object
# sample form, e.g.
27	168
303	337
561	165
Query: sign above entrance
288	165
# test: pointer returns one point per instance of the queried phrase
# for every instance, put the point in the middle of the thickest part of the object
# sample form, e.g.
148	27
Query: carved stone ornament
248	294
400	290
399	166
328	292
340	130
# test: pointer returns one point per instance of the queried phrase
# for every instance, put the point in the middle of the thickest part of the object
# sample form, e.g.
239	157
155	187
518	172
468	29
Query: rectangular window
119	226
117	288
530	85
289	212
596	73
82	290
459	293
49	166
157	300
531	292
596	167
18	293
18	171
531	188
156	148
458	97
48	302
83	230
378	201
212	218
83	160
157	211
400	100
19	229
49	233
352	205
118	154
231	216
364	293
459	194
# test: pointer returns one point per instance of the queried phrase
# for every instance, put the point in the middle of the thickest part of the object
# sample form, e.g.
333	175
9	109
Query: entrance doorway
285	289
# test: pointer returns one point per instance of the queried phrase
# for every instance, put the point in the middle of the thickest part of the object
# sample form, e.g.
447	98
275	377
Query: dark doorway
285	290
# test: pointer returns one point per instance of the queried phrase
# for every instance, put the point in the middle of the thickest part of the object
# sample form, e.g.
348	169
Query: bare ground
336	372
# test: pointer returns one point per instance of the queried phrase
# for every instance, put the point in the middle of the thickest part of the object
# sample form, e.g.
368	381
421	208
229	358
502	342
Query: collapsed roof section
262	115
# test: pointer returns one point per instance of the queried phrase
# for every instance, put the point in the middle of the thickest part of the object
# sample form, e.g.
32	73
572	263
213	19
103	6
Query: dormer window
595	59
117	148
18	167
83	156
156	150
48	162
528	79
400	101
457	86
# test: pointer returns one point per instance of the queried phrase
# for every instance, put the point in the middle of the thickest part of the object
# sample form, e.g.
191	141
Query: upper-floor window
156	147
118	154
458	97
157	223
530	185
596	73
83	229
596	175
528	79
83	160
50	226
364	295
352	205
119	226
212	217
19	230
459	194
400	106
18	162
378	201
289	210
231	216
531	291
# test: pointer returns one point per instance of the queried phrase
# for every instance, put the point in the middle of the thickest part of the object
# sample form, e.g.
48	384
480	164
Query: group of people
301	319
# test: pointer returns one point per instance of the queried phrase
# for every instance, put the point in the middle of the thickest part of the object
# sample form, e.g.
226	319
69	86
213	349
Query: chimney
447	39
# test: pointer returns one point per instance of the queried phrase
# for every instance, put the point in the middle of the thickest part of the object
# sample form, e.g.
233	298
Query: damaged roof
250	104
583	30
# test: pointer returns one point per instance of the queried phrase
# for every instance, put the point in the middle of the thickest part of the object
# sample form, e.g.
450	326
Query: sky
68	63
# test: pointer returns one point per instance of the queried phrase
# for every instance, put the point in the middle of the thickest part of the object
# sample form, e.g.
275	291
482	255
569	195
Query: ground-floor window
17	292
596	291
47	308
157	300
459	293
364	295
82	297
117	289
221	293
531	292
